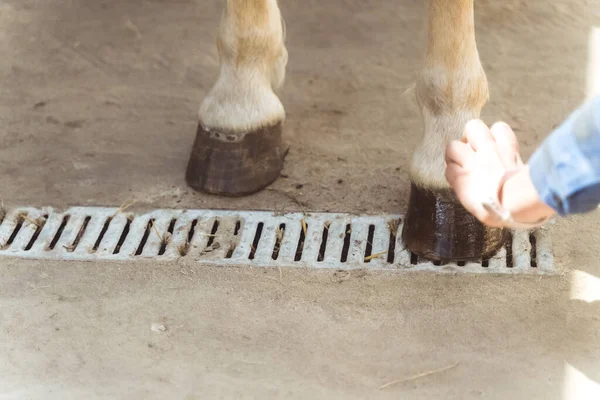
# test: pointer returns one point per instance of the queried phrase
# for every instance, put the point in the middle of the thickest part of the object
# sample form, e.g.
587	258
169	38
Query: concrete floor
98	104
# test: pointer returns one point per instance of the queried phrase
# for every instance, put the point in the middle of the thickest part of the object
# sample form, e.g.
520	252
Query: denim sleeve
565	170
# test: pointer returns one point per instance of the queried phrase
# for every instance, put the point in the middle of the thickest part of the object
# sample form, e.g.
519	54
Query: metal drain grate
319	240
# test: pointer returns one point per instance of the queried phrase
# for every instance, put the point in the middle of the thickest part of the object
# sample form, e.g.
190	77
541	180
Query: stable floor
98	106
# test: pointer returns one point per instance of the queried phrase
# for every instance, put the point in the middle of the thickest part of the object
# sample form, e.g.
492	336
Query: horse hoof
438	227
234	165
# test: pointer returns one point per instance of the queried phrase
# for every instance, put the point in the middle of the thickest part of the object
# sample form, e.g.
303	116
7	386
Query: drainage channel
317	240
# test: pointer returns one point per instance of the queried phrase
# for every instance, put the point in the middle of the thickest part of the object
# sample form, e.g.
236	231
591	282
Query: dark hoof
438	227
226	164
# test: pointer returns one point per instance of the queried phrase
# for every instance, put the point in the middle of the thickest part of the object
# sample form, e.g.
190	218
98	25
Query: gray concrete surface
98	105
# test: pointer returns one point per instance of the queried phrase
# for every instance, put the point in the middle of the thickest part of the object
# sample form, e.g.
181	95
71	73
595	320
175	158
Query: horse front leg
238	148
451	89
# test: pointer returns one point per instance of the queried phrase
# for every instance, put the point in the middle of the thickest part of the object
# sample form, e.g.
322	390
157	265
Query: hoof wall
226	164
438	227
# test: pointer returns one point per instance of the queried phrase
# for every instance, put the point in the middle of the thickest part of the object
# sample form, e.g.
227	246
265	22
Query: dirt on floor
98	106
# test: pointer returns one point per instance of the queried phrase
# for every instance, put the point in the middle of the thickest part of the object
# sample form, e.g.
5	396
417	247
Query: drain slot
256	240
234	243
346	248
102	233
279	235
323	246
184	248
369	247
40	222
414	259
533	252
392	226
15	232
73	246
166	238
123	236
300	247
192	231
509	250
213	233
230	251
59	232
140	248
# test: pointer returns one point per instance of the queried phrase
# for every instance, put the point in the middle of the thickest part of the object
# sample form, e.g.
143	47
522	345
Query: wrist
519	196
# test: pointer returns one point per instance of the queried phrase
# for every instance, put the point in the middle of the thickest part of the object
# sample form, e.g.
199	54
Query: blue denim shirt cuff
565	170
540	170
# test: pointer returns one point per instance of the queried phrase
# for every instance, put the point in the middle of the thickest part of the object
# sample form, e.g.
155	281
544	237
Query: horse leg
451	89
238	148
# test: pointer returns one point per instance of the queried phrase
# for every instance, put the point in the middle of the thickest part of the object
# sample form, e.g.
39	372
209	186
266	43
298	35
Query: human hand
479	164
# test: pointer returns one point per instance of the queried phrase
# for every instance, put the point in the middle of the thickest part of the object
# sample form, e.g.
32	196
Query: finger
458	153
507	144
465	192
479	136
469	195
453	172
